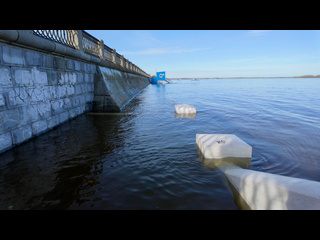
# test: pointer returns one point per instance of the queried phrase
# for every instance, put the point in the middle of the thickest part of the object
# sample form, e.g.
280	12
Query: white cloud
258	32
158	51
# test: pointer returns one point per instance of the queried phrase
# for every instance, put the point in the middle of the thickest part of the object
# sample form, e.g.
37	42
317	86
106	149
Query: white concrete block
185	108
265	191
216	146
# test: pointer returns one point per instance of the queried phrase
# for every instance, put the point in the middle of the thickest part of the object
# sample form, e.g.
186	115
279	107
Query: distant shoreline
304	76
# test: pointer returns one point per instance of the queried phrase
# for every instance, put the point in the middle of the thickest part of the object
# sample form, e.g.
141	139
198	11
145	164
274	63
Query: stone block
57	106
9	119
82	99
28	114
44	109
5	141
47	61
73	79
23	77
2	101
67	103
61	91
70	64
52	77
62	78
59	63
88	77
33	58
80	77
21	134
89	68
39	78
89	97
70	90
78	89
5	78
78	65
53	121
73	112
15	96
84	88
217	146
63	117
9	97
39	127
12	55
75	101
38	94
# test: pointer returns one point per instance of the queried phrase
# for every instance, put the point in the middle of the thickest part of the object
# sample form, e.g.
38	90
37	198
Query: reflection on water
146	157
185	115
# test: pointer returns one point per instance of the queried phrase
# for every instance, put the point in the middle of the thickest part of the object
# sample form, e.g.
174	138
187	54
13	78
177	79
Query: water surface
146	157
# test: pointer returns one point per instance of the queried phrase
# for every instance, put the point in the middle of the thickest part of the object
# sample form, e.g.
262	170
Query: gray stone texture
39	91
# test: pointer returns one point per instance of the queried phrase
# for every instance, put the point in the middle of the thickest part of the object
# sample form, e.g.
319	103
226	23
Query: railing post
121	61
125	62
77	39
114	56
101	49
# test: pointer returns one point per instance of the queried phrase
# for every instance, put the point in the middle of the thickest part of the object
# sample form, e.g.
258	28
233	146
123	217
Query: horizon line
303	76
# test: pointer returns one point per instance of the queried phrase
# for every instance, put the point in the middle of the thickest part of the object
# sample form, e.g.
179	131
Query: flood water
146	157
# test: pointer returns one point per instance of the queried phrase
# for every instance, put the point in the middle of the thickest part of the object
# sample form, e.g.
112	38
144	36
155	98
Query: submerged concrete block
185	108
266	191
217	146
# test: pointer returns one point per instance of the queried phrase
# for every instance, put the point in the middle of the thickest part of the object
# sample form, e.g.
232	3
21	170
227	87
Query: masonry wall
39	91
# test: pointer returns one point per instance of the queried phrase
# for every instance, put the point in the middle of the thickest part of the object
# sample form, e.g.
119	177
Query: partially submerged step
217	146
266	191
185	109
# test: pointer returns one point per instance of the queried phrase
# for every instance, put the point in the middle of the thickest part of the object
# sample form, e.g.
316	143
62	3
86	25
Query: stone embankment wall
39	91
47	78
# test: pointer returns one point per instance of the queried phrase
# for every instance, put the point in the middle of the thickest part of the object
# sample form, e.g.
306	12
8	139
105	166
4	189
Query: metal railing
83	41
64	37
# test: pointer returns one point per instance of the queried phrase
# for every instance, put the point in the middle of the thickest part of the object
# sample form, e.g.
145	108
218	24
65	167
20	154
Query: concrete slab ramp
113	89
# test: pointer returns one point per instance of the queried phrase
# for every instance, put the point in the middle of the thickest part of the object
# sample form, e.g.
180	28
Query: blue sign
161	76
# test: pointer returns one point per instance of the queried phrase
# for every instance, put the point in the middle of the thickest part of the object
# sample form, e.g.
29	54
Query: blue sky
218	53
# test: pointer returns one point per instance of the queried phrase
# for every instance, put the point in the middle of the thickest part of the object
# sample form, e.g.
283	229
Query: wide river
146	157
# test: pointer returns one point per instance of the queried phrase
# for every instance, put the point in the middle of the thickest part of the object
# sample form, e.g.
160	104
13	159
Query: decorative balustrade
65	37
83	41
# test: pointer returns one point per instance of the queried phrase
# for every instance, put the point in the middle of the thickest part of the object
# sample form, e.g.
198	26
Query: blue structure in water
161	76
